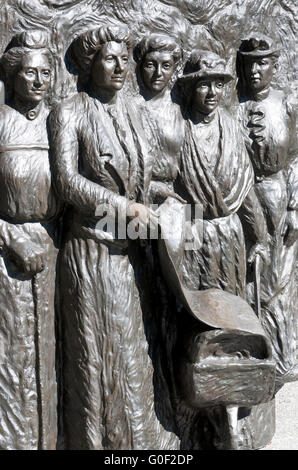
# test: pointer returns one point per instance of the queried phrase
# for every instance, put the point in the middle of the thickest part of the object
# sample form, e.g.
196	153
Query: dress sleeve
252	218
71	186
10	232
293	185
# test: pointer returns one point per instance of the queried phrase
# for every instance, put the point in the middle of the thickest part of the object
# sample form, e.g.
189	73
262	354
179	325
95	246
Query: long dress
163	125
276	189
217	176
28	208
108	390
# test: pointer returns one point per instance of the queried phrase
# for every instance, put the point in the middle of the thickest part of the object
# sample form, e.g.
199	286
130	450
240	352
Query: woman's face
259	72
33	80
207	94
157	69
110	67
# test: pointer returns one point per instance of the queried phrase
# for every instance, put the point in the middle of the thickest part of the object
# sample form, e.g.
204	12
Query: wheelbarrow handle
257	285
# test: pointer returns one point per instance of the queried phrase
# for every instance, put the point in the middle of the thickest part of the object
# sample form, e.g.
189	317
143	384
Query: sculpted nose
212	91
119	65
158	70
254	67
38	79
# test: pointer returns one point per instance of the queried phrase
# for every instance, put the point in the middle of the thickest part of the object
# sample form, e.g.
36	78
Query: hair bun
34	39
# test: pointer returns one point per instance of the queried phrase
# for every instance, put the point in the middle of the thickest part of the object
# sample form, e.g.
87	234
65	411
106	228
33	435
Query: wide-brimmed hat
205	64
258	45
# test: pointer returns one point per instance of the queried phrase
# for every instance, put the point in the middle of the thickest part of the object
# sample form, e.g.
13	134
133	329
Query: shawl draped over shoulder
221	189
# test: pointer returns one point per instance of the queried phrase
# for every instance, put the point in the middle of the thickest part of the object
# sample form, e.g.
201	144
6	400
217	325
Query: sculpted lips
158	82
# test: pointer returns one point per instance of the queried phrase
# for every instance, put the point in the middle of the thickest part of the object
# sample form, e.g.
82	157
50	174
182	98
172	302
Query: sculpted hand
173	195
145	216
290	231
27	255
260	249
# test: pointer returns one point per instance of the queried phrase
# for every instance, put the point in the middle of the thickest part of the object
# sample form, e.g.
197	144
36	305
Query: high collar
160	101
31	112
155	97
105	99
261	95
200	118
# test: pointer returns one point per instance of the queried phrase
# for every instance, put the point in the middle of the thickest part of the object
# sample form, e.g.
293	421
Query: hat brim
259	53
226	77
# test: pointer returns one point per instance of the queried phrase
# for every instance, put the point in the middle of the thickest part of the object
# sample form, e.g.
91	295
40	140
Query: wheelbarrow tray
244	382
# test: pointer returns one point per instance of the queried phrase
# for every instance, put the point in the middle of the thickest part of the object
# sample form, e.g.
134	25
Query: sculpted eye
149	65
125	59
29	72
46	73
202	86
166	65
219	84
109	58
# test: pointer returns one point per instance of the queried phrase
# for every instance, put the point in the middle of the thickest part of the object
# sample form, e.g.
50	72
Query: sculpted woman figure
268	118
158	57
216	179
28	209
100	168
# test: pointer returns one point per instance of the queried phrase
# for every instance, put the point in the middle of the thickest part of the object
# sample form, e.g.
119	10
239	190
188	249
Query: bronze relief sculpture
29	209
173	301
